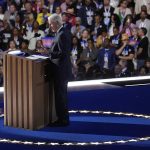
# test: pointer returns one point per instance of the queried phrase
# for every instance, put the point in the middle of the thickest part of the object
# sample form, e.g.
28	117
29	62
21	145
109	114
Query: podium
27	93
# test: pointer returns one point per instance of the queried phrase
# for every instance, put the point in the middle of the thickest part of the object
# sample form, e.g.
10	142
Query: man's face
53	26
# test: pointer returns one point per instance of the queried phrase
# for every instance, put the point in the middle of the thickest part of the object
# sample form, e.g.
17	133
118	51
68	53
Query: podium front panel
26	93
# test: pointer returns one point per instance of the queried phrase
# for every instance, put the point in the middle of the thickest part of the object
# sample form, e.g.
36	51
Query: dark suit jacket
59	55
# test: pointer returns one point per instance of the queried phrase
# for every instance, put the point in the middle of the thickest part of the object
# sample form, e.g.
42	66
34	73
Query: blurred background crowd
110	38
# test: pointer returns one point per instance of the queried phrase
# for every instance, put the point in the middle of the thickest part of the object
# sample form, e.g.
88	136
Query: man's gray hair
55	18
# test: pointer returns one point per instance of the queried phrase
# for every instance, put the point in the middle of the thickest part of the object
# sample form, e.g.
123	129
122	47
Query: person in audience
117	70
34	35
127	25
87	14
75	53
52	5
101	37
107	10
97	27
5	35
139	3
11	14
126	52
43	15
142	49
143	8
77	29
86	19
122	11
84	37
144	22
16	36
58	10
114	22
106	59
24	45
115	40
125	71
12	46
88	56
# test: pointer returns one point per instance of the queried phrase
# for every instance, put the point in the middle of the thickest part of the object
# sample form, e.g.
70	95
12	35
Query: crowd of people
110	38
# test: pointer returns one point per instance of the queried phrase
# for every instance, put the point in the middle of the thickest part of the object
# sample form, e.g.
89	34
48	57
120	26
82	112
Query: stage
104	114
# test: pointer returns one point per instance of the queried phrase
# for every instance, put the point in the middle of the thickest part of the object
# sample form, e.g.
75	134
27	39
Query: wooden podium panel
27	96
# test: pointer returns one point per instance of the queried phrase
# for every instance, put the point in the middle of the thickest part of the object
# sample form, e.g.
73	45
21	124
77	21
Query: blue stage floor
88	130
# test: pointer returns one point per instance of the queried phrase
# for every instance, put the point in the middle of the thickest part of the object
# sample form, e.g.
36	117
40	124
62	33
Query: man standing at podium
60	67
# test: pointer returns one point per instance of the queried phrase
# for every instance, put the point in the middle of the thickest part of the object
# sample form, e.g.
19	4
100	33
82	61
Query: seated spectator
26	10
100	39
65	5
122	11
107	10
24	45
5	35
28	22
88	56
114	22
143	22
87	14
142	50
38	6
11	14
125	72
143	8
117	71
127	25
16	36
77	29
78	6
67	25
42	17
71	15
34	35
84	37
18	23
75	55
97	27
134	41
106	58
58	10
115	40
139	3
52	5
12	46
126	52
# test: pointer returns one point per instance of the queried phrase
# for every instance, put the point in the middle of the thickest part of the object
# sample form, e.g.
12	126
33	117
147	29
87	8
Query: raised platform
104	114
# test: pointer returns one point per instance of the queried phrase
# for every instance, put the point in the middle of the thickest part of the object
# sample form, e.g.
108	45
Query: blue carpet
93	127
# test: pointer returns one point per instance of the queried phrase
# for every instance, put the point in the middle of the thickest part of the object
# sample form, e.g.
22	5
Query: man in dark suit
60	67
